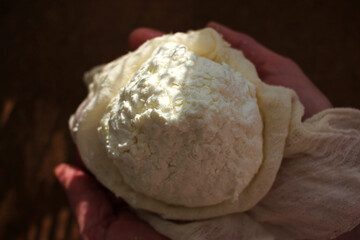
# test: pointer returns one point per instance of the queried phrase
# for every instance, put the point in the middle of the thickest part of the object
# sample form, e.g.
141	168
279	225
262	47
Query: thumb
91	207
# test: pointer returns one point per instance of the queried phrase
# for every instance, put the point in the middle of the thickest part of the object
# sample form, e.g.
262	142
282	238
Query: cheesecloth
308	186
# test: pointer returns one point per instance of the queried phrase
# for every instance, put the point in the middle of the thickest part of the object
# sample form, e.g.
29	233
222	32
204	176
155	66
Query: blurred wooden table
47	45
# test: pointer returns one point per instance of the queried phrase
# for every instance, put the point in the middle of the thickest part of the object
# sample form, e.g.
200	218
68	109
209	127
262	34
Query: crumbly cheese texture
183	127
184	130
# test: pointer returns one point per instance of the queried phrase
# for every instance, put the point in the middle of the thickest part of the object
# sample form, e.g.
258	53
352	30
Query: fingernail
59	172
215	25
154	34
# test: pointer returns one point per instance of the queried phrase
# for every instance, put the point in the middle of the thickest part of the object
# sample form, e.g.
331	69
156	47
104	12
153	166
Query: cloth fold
316	193
234	226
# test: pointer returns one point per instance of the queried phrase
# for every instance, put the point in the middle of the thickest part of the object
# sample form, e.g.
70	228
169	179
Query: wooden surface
47	45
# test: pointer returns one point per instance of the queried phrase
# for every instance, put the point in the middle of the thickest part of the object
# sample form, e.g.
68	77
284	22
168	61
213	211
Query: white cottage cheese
184	130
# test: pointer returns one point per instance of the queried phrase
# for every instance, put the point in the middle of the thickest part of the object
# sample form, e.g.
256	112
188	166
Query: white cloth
316	194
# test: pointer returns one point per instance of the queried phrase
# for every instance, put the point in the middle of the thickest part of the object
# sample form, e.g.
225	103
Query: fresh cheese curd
184	129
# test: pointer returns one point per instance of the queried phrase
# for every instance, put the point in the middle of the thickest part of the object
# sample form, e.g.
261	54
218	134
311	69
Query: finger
254	51
116	202
88	201
275	69
269	64
141	35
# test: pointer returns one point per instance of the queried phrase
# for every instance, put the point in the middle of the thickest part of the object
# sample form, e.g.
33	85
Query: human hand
275	69
100	216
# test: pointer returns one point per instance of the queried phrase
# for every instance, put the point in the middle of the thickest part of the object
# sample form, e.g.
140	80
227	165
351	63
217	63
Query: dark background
45	46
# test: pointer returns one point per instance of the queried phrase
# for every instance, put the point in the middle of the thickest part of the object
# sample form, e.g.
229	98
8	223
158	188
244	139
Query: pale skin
101	216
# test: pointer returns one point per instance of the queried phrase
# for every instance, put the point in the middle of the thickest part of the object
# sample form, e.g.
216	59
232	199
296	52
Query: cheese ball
184	129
